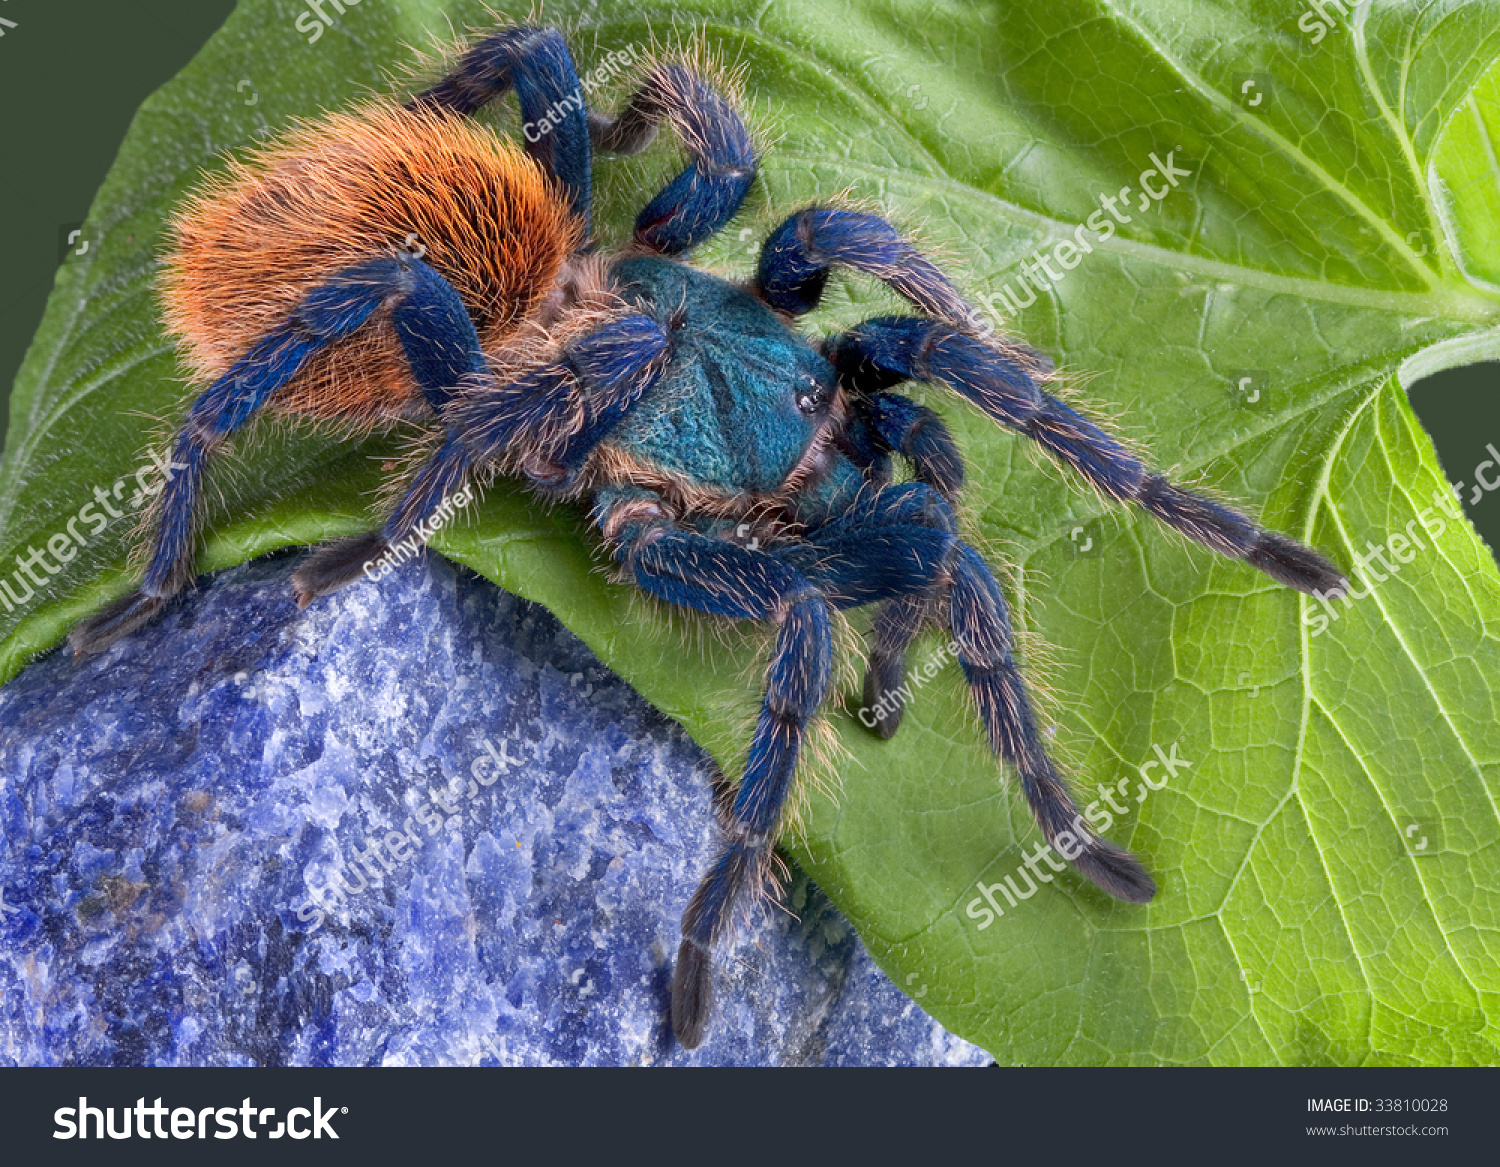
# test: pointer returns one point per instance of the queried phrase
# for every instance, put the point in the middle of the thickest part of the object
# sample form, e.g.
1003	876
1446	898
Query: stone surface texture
416	824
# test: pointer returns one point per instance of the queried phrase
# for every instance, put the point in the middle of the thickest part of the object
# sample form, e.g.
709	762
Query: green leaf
1330	891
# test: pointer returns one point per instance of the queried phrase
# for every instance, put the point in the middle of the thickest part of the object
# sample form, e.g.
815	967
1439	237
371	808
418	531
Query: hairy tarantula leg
865	448
796	683
902	541
723	578
896	625
550	418
797	257
443	350
927	350
342	561
919	435
536	62
327	314
440	343
707	194
882	546
889	514
981	633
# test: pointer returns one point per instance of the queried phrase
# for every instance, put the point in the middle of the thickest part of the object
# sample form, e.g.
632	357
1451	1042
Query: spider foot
884	698
1116	871
1289	562
121	618
332	566
692	993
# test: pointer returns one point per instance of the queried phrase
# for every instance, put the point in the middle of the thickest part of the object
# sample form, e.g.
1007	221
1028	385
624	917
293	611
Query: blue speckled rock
511	831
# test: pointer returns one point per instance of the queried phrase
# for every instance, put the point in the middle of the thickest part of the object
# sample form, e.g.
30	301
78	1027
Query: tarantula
402	261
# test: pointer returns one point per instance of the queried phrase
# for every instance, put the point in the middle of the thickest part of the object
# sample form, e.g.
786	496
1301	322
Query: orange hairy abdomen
349	188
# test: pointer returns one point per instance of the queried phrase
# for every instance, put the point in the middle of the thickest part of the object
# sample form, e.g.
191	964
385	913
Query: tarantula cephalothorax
401	261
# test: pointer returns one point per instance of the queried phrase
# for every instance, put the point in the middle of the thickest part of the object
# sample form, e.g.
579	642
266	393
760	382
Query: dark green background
73	73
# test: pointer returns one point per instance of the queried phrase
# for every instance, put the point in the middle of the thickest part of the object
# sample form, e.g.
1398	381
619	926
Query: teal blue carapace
724	412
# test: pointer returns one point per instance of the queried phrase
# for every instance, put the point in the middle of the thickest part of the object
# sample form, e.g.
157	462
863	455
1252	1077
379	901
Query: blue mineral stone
416	824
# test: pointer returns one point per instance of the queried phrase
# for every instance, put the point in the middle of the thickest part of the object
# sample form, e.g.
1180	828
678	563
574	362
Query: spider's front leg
1006	389
1003	379
797	258
888	545
439	341
902	543
560	132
